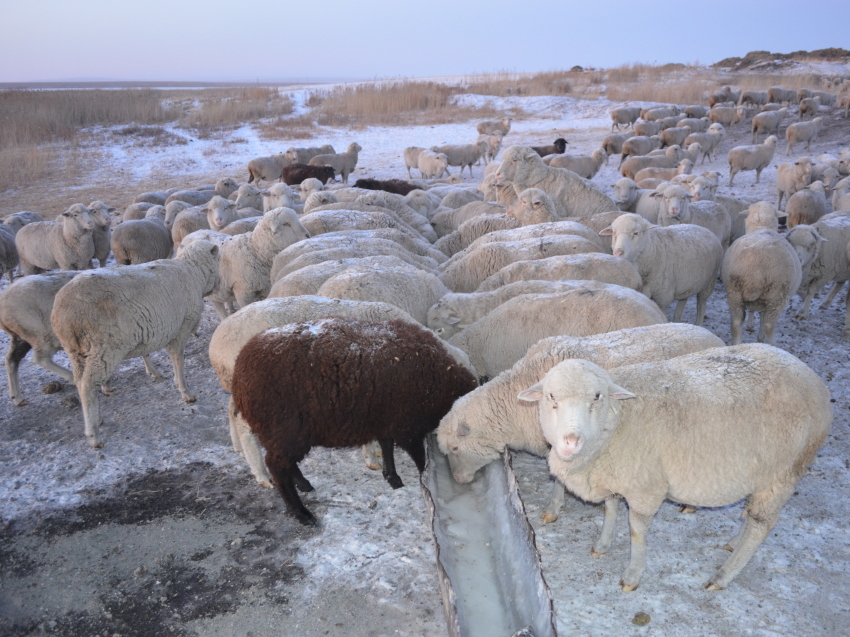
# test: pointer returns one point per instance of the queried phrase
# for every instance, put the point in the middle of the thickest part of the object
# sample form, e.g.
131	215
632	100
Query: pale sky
279	40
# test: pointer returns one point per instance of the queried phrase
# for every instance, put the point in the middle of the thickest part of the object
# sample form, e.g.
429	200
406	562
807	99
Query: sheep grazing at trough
462	155
104	316
675	208
294	174
67	244
573	196
756	157
768	122
613	144
25	316
832	236
624	116
141	241
536	231
329	406
491	418
674	263
802	132
432	165
679	439
223	188
267	168
488	127
501	337
343	163
604	268
468	270
761	272
558	147
101	216
396	186
806	206
582	165
791	178
638	146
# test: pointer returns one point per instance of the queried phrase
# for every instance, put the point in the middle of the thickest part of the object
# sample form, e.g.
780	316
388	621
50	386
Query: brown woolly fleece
339	382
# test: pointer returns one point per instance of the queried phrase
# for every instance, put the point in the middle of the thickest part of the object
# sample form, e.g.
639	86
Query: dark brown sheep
339	382
558	147
294	174
397	186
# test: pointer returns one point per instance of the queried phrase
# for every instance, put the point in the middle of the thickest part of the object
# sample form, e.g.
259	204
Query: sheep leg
767	324
175	351
150	368
285	481
389	472
550	513
680	308
609	525
44	360
248	444
836	288
758	174
639	522
301	483
751	320
762	514
220	310
804	309
18	348
89	372
416	450
371	453
702	302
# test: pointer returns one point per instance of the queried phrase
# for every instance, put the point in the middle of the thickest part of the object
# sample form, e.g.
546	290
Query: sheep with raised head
830	263
495	191
624	116
827	175
791	178
675	208
679	439
279	196
756	157
488	127
491	418
675	263
343	163
101	216
630	198
802	132
806	206
582	165
18	220
164	305
533	206
500	338
304	155
221	211
494	145
418	384
67	244
761	272
573	196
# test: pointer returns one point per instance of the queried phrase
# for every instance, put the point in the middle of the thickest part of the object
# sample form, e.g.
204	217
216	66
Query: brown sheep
397	186
317	384
294	174
558	147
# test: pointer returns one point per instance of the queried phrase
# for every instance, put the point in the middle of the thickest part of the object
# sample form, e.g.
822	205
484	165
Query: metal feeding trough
491	579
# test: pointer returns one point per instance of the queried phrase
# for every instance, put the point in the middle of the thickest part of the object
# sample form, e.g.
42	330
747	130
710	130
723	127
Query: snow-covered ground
369	569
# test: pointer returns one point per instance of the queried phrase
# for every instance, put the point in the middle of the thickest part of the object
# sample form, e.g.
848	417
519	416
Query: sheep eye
439	330
551	396
454	448
598	395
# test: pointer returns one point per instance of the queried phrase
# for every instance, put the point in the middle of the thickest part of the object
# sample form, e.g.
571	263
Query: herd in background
517	276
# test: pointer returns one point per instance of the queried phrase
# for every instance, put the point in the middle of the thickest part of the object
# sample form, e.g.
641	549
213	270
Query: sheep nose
619	252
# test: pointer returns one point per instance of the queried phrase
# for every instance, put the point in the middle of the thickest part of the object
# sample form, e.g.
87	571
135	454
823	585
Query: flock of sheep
351	315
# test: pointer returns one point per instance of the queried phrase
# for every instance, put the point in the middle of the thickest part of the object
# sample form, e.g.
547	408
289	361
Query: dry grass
299	127
231	108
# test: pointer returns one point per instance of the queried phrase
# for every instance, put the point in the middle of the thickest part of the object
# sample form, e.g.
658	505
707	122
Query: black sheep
294	174
397	186
340	382
558	147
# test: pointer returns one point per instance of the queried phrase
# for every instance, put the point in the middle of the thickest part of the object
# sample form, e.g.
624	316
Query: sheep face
99	212
577	405
624	191
467	450
517	161
806	242
674	203
530	206
629	236
701	189
77	215
220	212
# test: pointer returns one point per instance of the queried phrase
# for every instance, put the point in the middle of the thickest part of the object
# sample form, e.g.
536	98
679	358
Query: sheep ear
820	238
111	209
463	430
530	155
606	232
618	393
532	394
214	250
453	320
655	193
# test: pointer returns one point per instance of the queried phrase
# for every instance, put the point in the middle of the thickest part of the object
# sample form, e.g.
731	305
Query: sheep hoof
628	588
373	467
189	399
306	518
94	443
548	518
728	547
19	402
711	586
394	481
686	509
265	484
304	486
799	316
107	391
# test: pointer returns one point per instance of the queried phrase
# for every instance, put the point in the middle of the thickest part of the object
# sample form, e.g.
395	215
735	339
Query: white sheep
613	144
638	146
223	188
9	259
674	136
462	154
802	132
67	243
468	270
727	116
658	159
582	165
630	198
604	268
756	98
500	338
830	264
674	263
778	95
827	175
309	186
809	107
304	155
696	125
141	240
101	216
221	211
473	229
756	157
761	272
680	439
695	111
411	158
423	202
807	205
309	279
648	129
489	419
167	303
342	163
534	231
655	113
450	219
494	144
675	208
709	140
531	207
488	127
624	116
684	167
137	211
768	122
172	210
760	216
573	196
318	200
792	177
432	165
188	221
267	168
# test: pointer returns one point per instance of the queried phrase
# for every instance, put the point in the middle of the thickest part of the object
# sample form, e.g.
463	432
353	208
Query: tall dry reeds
228	108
